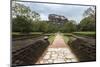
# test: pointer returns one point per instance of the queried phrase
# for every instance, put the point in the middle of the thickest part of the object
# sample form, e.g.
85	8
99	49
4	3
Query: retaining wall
29	54
83	49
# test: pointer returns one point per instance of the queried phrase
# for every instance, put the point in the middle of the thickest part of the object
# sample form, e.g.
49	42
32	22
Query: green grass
26	35
67	34
84	32
90	34
36	33
18	33
65	37
51	38
68	37
49	34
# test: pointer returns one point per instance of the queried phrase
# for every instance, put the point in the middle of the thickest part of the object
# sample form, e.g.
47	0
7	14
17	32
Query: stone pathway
58	52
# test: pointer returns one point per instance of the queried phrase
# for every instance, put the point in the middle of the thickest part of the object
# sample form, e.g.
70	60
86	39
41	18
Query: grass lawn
67	34
49	34
51	38
66	39
26	35
84	32
18	33
90	34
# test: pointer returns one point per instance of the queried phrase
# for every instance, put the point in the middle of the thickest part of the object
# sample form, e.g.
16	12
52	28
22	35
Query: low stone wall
29	54
83	49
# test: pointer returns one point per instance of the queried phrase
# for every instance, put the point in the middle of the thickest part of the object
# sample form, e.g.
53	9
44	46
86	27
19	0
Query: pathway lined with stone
57	52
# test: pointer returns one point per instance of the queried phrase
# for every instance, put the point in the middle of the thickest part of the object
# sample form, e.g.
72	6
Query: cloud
72	12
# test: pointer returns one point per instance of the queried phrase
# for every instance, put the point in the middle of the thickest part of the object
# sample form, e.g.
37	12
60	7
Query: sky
72	12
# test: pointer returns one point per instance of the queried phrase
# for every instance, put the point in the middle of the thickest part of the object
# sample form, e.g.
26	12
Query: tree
43	27
70	26
90	12
88	23
23	18
22	10
21	24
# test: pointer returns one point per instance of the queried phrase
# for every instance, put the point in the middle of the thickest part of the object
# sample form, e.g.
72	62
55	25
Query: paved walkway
58	52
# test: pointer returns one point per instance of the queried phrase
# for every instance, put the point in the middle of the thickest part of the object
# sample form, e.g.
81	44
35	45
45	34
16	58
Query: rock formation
57	18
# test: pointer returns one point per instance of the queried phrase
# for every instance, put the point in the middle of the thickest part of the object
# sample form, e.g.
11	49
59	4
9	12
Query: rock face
57	18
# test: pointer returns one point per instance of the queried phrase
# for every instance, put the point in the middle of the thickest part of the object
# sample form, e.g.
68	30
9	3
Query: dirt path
58	52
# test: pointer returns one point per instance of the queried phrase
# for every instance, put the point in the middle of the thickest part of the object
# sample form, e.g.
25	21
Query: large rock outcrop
57	18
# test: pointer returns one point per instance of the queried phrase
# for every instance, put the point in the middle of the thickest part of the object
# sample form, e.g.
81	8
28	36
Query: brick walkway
58	52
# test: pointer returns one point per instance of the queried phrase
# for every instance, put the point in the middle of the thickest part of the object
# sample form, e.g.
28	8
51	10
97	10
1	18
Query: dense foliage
22	18
88	23
21	24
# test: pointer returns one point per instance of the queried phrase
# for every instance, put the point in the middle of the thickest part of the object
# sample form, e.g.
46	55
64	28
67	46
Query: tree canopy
23	18
21	10
88	23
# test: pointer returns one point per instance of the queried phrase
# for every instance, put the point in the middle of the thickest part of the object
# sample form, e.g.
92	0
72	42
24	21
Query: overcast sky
72	12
